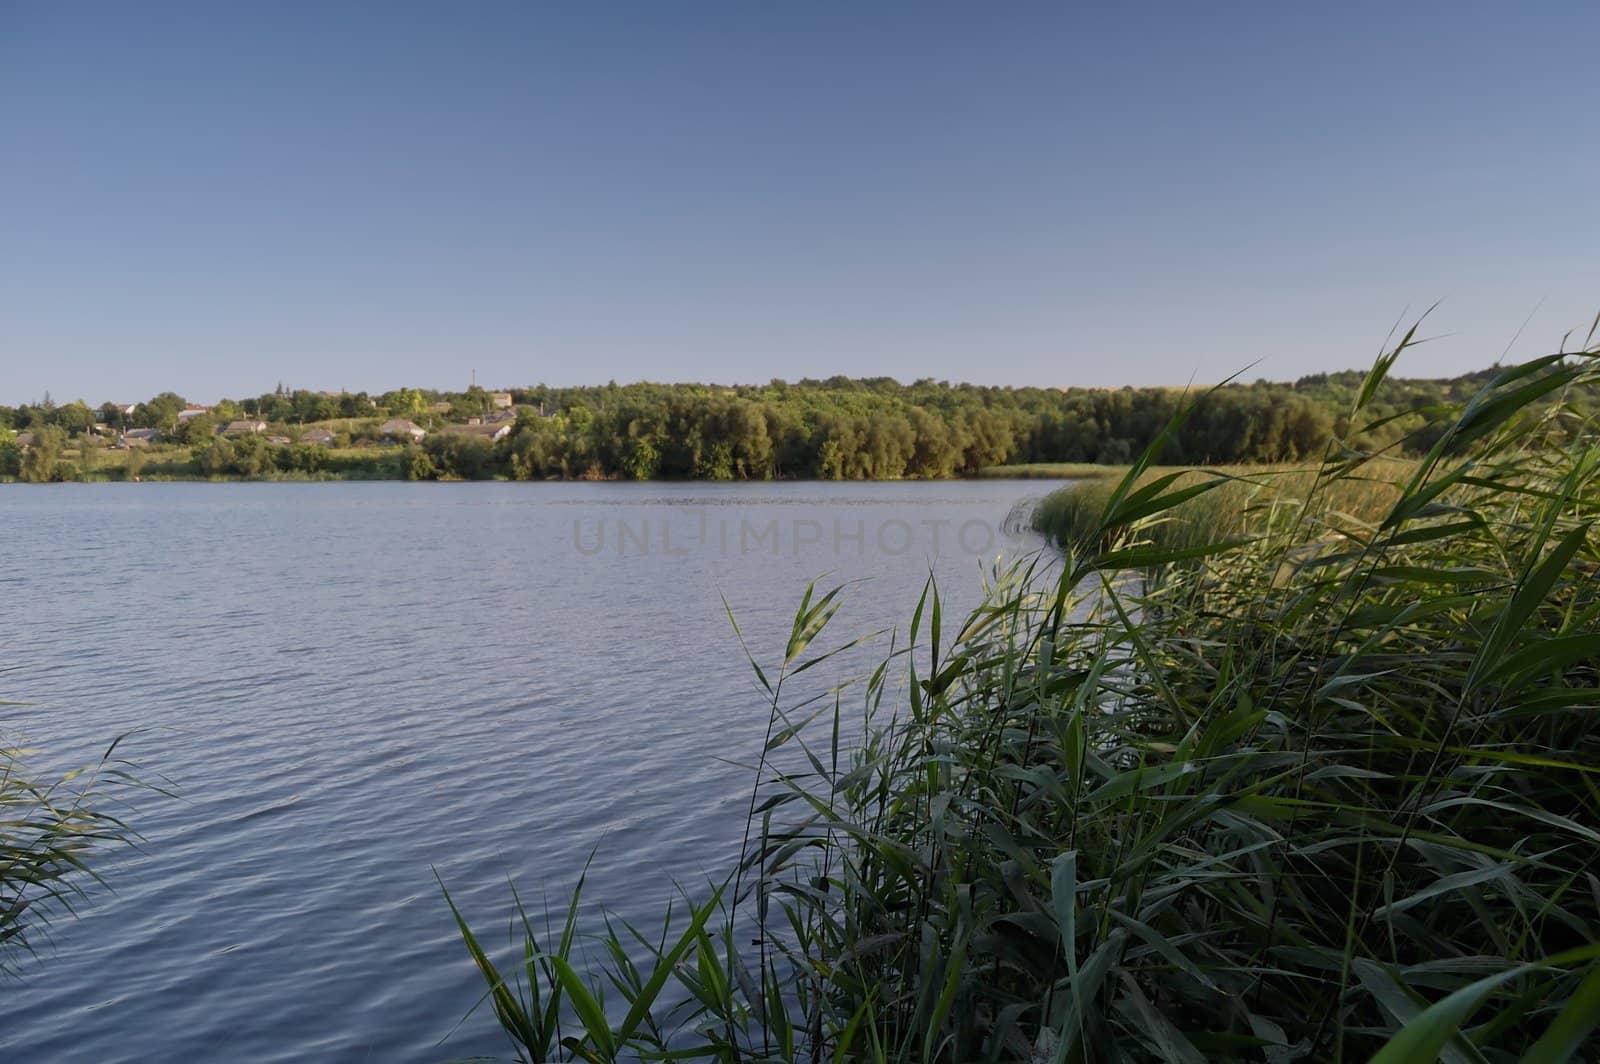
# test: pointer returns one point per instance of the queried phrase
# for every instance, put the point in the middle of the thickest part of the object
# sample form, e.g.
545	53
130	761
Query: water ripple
354	685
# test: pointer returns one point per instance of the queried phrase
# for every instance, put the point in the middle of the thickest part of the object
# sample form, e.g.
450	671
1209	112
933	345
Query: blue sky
213	198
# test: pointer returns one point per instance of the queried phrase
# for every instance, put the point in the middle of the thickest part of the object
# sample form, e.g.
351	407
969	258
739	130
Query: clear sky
212	198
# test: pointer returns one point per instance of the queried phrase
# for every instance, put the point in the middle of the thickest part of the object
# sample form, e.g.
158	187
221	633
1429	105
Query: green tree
935	452
88	455
160	413
75	418
643	459
717	462
41	462
535	449
113	416
196	430
10	454
405	402
474	402
752	446
314	406
1116	452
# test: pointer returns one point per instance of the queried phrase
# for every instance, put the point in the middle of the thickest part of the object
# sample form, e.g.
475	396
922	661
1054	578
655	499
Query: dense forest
839	428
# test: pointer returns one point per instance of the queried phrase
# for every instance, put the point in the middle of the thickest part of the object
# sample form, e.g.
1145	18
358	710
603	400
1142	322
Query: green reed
1070	516
51	829
1322	783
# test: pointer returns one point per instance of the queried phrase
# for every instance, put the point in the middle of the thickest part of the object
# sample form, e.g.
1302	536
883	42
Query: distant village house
500	400
321	437
245	428
400	428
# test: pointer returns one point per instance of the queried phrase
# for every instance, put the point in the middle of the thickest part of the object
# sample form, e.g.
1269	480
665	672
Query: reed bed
1314	782
1052	471
1070	516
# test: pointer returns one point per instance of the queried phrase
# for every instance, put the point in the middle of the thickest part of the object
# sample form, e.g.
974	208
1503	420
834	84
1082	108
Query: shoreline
1109	472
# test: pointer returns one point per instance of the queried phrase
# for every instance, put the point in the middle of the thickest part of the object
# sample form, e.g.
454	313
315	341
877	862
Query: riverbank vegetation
834	429
1053	471
1309	785
1241	497
52	829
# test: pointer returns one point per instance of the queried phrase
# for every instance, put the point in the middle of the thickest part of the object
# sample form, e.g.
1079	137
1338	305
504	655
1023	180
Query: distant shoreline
1043	472
837	429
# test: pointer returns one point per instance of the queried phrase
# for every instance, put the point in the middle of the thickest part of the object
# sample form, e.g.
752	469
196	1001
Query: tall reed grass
1316	785
51	829
1070	516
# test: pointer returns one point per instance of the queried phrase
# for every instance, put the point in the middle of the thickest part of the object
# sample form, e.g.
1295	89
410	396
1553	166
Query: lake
352	686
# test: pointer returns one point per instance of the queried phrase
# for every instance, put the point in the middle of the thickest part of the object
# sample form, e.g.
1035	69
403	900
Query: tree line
837	429
879	428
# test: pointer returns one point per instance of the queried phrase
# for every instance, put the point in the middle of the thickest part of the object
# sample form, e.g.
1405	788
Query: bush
460	456
302	458
417	464
41	462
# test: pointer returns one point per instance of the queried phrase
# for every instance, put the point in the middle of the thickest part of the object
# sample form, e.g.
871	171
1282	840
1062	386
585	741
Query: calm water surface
350	686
